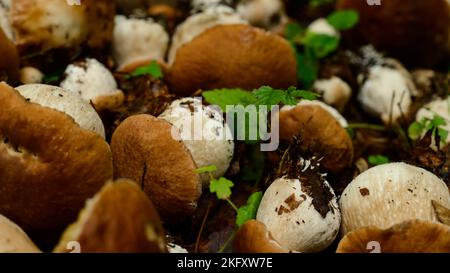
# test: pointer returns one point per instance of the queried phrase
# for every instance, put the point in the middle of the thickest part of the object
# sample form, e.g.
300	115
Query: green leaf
206	169
307	69
321	44
224	97
222	187
268	96
248	212
318	3
415	130
343	19
254	169
303	94
153	69
378	159
293	32
443	134
53	76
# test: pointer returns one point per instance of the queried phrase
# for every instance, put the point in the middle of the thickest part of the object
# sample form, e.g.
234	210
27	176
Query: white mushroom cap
173	248
138	40
13	239
204	133
93	82
29	75
387	92
64	101
202	5
288	211
389	194
439	107
335	91
335	113
321	26
268	14
197	24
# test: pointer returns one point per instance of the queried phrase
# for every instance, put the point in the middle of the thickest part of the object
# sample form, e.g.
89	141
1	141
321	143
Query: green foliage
378	160
248	212
153	69
435	125
221	187
343	19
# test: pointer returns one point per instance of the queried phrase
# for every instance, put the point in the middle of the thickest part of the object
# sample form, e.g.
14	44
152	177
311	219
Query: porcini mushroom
94	83
49	165
253	237
392	193
243	56
13	239
204	132
147	150
9	63
119	218
413	236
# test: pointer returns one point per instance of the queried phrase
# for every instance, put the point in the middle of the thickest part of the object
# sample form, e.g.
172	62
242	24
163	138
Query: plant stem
367	126
232	205
197	242
222	249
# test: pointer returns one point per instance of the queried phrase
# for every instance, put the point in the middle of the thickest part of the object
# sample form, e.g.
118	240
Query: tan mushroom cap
233	56
253	237
320	131
13	239
9	62
120	218
414	236
49	165
144	150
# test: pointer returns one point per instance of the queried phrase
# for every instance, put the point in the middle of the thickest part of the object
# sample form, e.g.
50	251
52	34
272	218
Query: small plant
153	69
376	160
436	125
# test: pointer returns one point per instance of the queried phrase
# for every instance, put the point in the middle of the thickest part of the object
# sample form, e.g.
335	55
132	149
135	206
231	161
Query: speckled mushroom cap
389	194
413	236
321	131
13	239
228	56
49	165
253	237
418	31
9	62
119	218
67	102
145	151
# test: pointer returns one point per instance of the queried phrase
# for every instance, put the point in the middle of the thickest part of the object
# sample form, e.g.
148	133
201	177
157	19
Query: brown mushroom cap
9	62
319	131
120	218
418	30
145	151
233	56
253	237
408	237
49	165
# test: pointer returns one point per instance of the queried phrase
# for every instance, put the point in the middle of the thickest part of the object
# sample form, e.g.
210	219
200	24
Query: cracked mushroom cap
118	219
64	101
94	83
13	239
9	62
145	151
413	236
49	165
321	128
230	56
253	237
389	194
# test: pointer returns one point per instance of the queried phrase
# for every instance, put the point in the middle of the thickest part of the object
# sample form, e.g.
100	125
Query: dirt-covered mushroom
267	14
49	165
138	42
204	132
334	91
145	150
9	62
321	128
64	101
258	58
416	32
120	219
389	194
413	236
94	83
13	239
253	237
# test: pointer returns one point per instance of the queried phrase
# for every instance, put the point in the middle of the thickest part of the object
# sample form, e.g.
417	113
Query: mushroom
267	14
253	237
414	236
9	63
67	102
49	165
147	150
204	132
198	6
321	26
259	58
4	22
138	42
31	75
174	248
416	32
320	128
94	83
392	193
335	92
198	23
118	219
13	239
